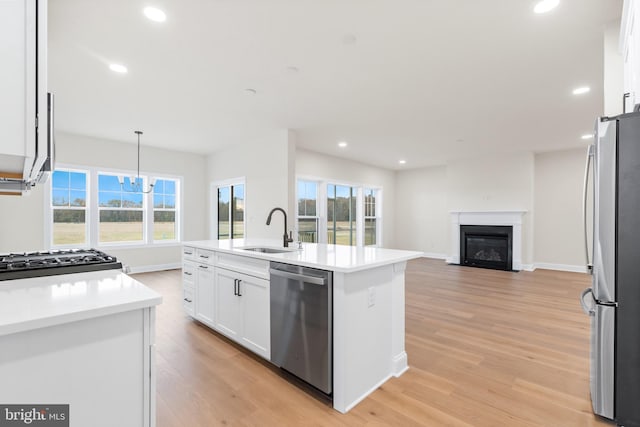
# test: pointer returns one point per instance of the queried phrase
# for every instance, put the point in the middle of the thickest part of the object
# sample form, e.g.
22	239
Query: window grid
111	207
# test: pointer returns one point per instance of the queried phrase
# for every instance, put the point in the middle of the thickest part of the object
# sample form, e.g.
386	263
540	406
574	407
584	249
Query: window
69	208
370	218
307	211
230	212
121	210
164	210
341	215
90	208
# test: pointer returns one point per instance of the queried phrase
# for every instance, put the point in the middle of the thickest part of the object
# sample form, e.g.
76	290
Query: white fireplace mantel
512	218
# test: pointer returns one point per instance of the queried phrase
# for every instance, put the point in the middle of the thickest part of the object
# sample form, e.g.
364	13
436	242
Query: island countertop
339	258
38	302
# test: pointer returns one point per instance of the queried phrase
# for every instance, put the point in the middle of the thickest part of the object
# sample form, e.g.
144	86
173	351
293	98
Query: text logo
34	415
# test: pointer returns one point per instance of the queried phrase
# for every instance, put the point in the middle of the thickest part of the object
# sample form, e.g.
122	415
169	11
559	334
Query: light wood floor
486	348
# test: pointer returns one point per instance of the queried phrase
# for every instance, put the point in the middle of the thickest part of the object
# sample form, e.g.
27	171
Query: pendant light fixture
136	183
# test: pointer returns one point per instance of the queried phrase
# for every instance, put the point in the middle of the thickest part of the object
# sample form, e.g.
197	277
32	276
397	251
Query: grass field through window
69	233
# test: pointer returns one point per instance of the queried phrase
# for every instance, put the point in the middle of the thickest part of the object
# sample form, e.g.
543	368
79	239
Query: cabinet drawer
247	265
205	256
188	253
188	272
187	300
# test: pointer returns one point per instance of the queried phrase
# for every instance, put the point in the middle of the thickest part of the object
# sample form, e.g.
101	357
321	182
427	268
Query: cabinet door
205	294
228	304
256	320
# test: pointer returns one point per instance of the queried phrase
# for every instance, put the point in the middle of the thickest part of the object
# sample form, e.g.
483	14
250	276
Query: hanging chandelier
136	183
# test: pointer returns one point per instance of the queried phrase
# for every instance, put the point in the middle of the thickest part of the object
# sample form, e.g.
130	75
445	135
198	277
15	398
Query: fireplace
487	246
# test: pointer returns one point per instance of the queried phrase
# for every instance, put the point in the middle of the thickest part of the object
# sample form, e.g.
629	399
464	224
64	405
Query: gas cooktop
35	264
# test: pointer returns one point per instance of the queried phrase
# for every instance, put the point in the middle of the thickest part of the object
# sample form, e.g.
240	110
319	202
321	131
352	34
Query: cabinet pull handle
235	286
239	294
187	299
203	266
188	274
188	253
204	256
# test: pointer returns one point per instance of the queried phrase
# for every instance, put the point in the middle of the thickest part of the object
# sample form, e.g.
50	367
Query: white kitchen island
368	304
82	339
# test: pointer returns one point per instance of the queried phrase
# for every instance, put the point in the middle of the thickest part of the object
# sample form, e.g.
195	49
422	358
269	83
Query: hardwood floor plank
485	348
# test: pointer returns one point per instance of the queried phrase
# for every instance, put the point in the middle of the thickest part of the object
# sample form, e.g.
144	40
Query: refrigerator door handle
591	311
587	168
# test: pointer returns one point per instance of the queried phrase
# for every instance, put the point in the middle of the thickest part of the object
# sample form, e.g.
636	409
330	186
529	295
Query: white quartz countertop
338	258
39	302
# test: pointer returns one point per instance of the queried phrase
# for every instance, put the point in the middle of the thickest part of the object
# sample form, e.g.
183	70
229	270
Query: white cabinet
228	304
229	293
93	364
256	315
242	310
189	287
205	294
23	85
630	49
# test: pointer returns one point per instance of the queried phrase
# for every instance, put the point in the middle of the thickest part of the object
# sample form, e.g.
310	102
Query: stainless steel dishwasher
302	323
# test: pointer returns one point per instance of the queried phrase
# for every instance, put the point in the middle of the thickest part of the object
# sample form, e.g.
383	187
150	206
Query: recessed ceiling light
402	162
118	68
545	6
587	136
581	90
292	69
251	91
342	144
155	14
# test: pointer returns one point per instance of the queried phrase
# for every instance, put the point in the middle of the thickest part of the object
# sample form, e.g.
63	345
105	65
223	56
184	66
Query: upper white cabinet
24	107
630	49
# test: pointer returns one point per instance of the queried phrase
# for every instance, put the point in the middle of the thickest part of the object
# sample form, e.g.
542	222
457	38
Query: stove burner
33	264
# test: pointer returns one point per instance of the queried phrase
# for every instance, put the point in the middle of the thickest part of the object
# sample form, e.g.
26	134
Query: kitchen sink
266	250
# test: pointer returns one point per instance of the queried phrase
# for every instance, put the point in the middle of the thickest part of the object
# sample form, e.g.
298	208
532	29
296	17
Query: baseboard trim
527	267
367	393
561	267
151	268
434	255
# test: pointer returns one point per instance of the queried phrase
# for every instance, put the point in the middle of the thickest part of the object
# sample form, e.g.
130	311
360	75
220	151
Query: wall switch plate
371	296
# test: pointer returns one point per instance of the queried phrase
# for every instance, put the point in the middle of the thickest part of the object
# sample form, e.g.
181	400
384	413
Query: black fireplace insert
487	246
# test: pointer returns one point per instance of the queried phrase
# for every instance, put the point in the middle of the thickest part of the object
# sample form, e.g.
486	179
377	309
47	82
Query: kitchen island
368	303
82	339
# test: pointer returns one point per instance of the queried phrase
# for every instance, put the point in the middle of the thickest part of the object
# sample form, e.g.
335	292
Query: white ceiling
424	80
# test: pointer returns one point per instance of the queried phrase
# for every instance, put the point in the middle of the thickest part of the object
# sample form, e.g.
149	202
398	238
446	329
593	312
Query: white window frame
93	215
377	216
152	209
143	209
298	217
49	208
213	194
321	207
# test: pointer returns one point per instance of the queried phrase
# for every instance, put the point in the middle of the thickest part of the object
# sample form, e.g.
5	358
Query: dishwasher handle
295	276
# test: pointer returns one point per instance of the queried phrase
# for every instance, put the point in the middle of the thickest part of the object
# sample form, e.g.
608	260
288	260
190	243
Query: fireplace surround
514	218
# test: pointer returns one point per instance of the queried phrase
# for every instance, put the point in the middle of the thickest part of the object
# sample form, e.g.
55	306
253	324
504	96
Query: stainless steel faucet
285	239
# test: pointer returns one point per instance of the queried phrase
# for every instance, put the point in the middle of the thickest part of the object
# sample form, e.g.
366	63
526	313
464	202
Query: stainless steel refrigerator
613	300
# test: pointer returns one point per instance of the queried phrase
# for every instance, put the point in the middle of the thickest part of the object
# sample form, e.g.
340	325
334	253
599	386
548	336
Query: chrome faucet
286	239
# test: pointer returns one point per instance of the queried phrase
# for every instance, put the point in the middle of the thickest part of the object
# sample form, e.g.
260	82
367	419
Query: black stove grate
35	264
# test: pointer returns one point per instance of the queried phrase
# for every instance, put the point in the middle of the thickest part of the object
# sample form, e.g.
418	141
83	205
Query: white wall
613	71
267	168
312	164
422	211
22	218
493	183
559	234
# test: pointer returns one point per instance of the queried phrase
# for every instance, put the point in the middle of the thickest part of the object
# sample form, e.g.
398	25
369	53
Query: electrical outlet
371	296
